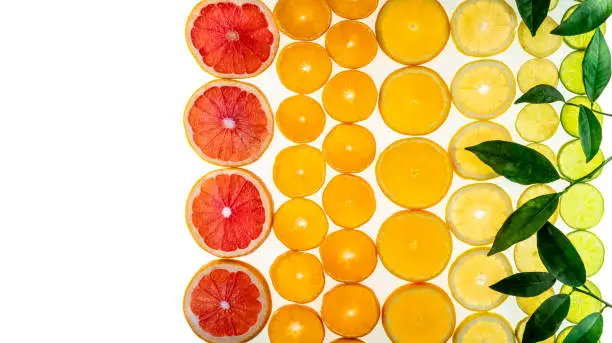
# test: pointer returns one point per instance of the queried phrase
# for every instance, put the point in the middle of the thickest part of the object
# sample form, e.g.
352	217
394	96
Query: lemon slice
530	305
535	191
572	161
544	43
580	42
570	72
537	71
581	304
590	248
544	150
526	256
570	114
582	206
537	122
520	330
484	327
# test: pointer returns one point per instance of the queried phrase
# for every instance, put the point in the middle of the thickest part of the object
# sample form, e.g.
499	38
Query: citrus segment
350	310
303	67
590	248
297	276
414	172
414	101
570	72
544	43
582	206
581	304
535	191
353	9
570	114
299	171
348	255
351	44
581	41
520	330
227	301
349	201
300	224
295	324
538	71
350	96
484	327
544	150
232	39
530	305
414	245
349	148
526	256
572	161
304	19
229	212
229	123
300	118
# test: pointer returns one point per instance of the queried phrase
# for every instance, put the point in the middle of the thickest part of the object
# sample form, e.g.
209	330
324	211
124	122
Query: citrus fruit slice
572	161
476	212
483	28
303	20
580	42
570	114
303	67
537	71
227	301
229	123
349	148
232	39
350	310
471	275
229	212
350	96
347	340
418	313
590	248
565	332
300	118
348	255
296	324
297	276
484	327
353	9
414	172
553	5
300	224
582	206
535	191
544	150
520	330
544	43
530	305
414	245
581	304
570	72
466	164
483	89
351	44
299	171
349	201
412	32
526	256
414	101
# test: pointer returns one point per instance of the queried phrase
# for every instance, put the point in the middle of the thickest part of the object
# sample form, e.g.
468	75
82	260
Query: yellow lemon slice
520	330
530	305
484	327
544	43
537	71
537	122
526	256
544	150
535	191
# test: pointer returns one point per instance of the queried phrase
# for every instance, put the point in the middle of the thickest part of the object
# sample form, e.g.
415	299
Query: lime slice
569	114
563	334
537	122
538	71
572	162
520	330
529	305
570	72
535	191
526	256
581	304
582	206
590	248
580	42
544	43
544	150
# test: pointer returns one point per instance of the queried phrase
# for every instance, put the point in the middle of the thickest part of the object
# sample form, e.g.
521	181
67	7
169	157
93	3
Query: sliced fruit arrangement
570	72
530	305
297	276
348	255
299	171
350	96
300	224
535	191
303	67
590	248
544	43
349	201
544	150
582	206
296	324
483	28
229	212
580	42
537	122
350	310
526	256
572	161
353	9
537	71
484	327
569	114
227	301
229	123
581	304
520	330
303	20
300	118
419	313
349	148
351	44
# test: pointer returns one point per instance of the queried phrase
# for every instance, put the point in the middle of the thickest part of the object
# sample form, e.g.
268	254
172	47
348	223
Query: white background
95	170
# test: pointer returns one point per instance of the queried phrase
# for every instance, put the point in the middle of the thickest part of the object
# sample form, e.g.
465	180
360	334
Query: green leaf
541	94
547	319
596	71
590	132
515	162
560	257
533	13
589	330
587	17
525	284
525	221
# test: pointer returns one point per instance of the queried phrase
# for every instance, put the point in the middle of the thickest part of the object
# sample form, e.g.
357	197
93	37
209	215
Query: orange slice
295	324
349	148
297	276
350	96
300	224
300	118
484	327
304	19
353	9
350	310
348	255
351	44
299	171
349	201
303	67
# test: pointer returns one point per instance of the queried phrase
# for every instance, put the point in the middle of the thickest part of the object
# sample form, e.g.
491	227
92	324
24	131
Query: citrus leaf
590	132
515	162
560	257
533	13
525	221
547	319
589	330
525	284
587	17
541	94
596	70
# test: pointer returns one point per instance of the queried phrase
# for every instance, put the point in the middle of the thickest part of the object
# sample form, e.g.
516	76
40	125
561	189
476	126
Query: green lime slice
563	334
590	248
581	304
570	72
582	206
569	114
572	162
579	42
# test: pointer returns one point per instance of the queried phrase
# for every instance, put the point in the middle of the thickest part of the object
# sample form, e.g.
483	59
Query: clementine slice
350	96
295	324
353	9
299	171
304	19
349	148
350	310
348	255
349	201
300	118
351	44
297	276
303	67
300	224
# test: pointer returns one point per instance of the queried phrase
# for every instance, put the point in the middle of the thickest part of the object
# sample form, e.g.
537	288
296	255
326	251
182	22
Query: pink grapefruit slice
232	38
227	301
229	123
229	212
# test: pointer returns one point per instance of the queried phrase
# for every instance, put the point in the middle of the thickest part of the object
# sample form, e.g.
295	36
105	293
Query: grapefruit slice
229	123
232	38
229	212
227	301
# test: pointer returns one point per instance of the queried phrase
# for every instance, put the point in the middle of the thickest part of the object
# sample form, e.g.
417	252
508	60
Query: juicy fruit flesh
572	161
349	148
535	72
582	206
530	305
582	305
526	256
520	330
544	43
350	310
297	276
535	191
303	67
537	122
348	255
569	114
299	171
484	327
304	19
353	9
591	250
351	44
349	201
350	96
295	323
300	118
300	224
570	72
544	150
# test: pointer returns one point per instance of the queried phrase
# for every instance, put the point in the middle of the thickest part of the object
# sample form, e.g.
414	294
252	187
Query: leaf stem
596	111
606	304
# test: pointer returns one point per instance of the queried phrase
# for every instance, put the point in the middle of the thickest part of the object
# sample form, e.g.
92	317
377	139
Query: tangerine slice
299	171
349	201
526	256
414	101
300	118
227	301
537	71
544	43
412	32
535	191
297	276
350	310
353	9
530	305
414	172
303	67
418	313
229	212
350	96
414	245
484	327
232	39
295	324
229	123
351	44
349	148
304	19
300	224
348	255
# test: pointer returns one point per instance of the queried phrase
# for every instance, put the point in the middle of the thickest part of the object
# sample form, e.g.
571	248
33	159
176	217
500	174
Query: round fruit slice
349	201
581	304
347	340
303	67
572	161
520	330
353	9
544	150
351	44
414	101
590	248
350	310
466	164
531	304
349	148
418	313
471	275
570	72
484	327
348	255
350	96
526	256
303	20
299	171
580	42
570	114
412	32
227	301
582	206
477	211
564	333
544	43
300	224
229	123
296	324
483	28
229	212
538	71
535	191
483	89
415	245
553	5
297	276
300	118
232	38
